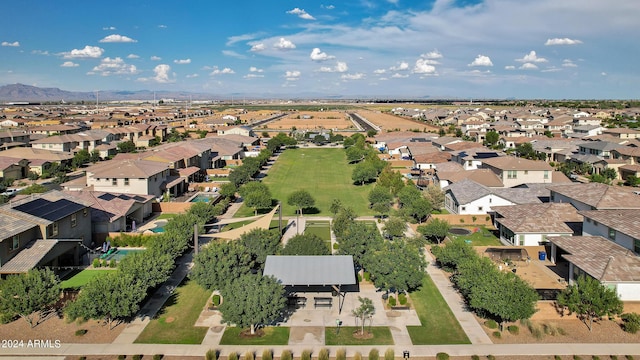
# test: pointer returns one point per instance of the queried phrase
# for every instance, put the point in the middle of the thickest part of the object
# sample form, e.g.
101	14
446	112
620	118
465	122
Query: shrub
491	324
357	356
474	218
323	354
157	356
105	263
392	301
267	354
122	357
137	357
487	218
286	355
475	357
631	322
613	357
491	357
462	221
513	329
553	329
629	357
402	299
341	354
557	357
442	356
336	246
306	354
576	357
248	356
112	263
96	263
374	354
81	332
82	358
389	354
367	276
215	300
233	356
359	278
497	334
595	357
211	354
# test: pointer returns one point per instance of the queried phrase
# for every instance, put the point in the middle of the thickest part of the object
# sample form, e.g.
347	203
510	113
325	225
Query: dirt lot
336	120
395	123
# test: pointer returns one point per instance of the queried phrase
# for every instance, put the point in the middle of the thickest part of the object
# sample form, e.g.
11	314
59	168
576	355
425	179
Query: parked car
10	192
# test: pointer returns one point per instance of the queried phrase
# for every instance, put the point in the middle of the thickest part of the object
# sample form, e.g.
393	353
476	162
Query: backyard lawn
272	336
439	325
79	279
482	237
324	173
174	323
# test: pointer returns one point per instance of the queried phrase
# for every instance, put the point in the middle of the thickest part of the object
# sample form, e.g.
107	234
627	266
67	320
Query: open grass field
482	237
381	336
79	279
439	325
273	335
174	323
323	172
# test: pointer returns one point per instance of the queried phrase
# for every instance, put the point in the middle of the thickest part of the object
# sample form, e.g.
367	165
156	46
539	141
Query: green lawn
381	336
272	336
174	322
166	216
273	225
483	237
439	325
79	279
323	172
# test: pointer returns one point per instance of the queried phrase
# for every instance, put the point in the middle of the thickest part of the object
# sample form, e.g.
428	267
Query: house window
126	181
16	242
74	220
589	220
464	208
612	234
636	246
479	208
85	212
546	174
526	172
114	181
512	174
521	239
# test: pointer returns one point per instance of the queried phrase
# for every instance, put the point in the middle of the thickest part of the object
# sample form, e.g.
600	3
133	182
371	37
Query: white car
10	192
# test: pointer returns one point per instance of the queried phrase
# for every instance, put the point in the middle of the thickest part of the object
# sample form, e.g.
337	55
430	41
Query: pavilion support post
341	297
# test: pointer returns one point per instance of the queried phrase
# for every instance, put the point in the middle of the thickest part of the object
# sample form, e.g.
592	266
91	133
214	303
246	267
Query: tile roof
127	168
538	218
108	206
466	191
516	163
599	196
484	177
28	257
600	258
625	221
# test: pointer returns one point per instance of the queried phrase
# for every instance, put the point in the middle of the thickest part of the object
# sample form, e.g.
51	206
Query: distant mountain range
28	93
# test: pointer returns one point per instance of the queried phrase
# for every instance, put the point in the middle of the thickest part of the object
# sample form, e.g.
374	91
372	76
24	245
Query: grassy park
381	336
174	323
323	172
273	335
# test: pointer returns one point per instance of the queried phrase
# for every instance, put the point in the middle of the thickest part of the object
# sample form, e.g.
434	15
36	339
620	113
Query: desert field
390	122
332	120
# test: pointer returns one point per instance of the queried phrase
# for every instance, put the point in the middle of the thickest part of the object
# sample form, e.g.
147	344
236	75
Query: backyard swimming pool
204	197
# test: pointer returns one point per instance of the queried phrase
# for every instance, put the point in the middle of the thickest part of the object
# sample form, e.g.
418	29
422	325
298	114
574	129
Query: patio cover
311	270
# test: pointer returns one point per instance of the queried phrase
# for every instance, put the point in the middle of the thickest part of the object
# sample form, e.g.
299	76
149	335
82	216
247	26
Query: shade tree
29	295
591	300
218	264
259	243
435	229
396	266
306	244
358	239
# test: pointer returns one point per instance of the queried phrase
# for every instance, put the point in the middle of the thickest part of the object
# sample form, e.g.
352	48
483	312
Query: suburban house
484	177
50	130
467	197
39	160
11	138
618	225
594	196
622	133
613	265
514	171
49	229
534	224
132	176
238	130
471	159
601	149
13	168
69	143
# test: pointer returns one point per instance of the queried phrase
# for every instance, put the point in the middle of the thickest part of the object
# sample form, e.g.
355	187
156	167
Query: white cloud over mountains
114	66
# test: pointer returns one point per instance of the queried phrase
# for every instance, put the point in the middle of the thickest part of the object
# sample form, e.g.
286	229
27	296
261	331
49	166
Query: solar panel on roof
106	196
49	210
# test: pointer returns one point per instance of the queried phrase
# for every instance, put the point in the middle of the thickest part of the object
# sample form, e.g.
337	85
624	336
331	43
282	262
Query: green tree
335	207
598	178
259	243
491	138
365	311
33	189
126	147
590	300
396	266
452	254
256	195
436	229
632	180
359	239
364	172
342	220
390	179
29	295
301	199
380	200
218	264
80	158
204	211
306	244
371	133
435	196
150	268
408	195
610	173
395	227
228	190
354	154
253	300
95	156
112	298
419	209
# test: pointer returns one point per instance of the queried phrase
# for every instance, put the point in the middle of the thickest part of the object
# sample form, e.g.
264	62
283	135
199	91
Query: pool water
158	229
203	198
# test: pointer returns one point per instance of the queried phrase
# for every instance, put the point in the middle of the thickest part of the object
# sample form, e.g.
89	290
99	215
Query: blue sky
444	48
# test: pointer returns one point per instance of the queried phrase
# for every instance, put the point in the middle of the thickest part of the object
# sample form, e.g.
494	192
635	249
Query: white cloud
191	76
162	72
133	56
109	28
402	66
237	38
234	54
89	52
11	44
114	66
551	69
481	60
162	26
328	7
40	52
509	67
435	54
182	61
115	38
356	76
399	76
155	58
258	47
340	67
255	69
301	14
379	71
284	44
562	41
532	57
253	76
317	55
603	73
69	64
528	66
424	66
225	71
568	63
292	75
